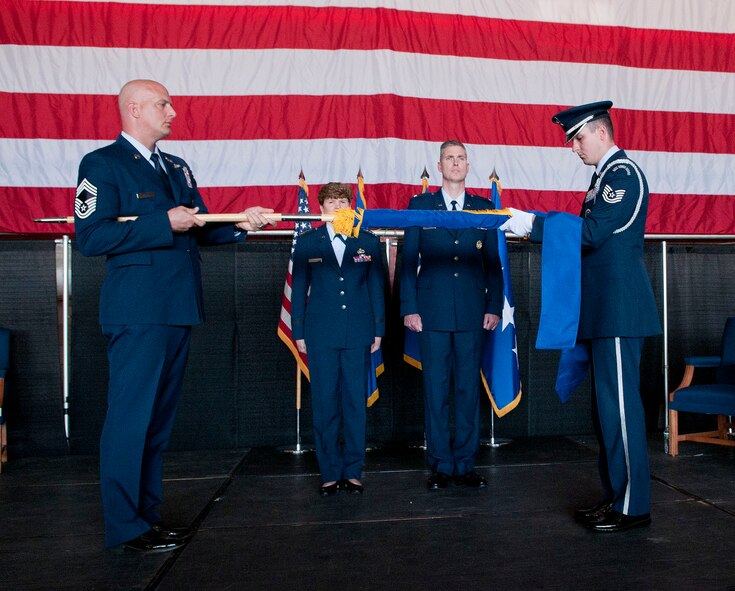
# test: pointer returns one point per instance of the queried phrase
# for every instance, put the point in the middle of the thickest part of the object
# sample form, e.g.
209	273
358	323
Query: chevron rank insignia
85	203
188	177
609	195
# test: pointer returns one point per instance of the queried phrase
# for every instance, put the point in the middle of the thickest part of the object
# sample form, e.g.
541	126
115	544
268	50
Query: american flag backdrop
265	89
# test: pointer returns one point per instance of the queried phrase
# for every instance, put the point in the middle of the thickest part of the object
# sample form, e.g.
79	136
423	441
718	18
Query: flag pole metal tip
54	220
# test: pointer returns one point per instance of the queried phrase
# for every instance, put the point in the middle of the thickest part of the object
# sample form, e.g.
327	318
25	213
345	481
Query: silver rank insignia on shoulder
85	202
610	195
478	245
187	175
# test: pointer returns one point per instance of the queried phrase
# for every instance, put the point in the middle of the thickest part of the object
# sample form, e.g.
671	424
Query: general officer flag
500	372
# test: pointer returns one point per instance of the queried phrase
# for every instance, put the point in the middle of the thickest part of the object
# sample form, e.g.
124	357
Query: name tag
315	260
145	195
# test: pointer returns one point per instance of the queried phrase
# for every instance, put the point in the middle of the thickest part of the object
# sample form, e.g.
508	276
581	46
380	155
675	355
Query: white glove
520	223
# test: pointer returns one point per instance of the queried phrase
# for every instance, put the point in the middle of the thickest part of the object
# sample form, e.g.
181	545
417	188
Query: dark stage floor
262	525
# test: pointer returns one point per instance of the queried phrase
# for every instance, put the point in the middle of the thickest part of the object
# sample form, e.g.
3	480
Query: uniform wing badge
85	202
611	195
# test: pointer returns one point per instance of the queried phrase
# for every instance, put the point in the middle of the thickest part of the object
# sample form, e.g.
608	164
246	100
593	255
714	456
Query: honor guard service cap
573	120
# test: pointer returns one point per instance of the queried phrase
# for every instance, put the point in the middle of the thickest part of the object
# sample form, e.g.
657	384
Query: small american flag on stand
284	323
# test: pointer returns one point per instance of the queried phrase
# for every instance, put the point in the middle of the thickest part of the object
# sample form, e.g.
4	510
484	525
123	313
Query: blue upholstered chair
4	365
712	399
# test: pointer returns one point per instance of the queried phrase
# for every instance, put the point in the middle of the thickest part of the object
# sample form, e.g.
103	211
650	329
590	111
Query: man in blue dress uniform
338	318
151	297
618	310
451	293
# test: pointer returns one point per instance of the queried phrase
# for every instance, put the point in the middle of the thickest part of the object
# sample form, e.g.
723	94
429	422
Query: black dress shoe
172	533
329	489
472	479
152	542
437	480
614	521
593	513
352	488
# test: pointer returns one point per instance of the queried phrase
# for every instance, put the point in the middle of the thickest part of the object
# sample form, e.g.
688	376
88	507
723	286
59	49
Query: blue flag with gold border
500	371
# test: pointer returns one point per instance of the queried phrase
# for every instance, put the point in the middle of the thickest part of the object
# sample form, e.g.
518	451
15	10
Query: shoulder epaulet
480	197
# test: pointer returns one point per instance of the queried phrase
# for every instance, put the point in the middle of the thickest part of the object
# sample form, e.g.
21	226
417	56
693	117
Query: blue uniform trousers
620	423
339	395
147	364
444	353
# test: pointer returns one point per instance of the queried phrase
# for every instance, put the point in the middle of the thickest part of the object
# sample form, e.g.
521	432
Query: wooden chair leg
722	426
3	444
673	433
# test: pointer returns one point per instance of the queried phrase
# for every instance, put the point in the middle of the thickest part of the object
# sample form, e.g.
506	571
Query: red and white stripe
265	89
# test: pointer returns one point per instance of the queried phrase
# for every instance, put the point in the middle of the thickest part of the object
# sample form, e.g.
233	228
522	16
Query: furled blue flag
561	283
411	351
376	359
500	372
561	298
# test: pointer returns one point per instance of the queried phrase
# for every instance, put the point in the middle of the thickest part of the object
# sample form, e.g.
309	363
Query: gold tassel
347	221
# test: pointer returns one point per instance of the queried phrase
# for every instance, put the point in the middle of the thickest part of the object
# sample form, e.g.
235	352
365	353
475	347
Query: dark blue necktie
593	181
155	158
454	205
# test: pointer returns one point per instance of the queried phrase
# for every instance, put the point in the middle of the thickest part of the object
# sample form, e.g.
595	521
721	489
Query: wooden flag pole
298	408
298	448
217	217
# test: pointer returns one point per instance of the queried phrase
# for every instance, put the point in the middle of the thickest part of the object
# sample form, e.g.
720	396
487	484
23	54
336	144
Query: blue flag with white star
500	372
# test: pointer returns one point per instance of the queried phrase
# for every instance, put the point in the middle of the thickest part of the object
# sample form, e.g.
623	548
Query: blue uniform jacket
460	279
617	298
332	306
153	274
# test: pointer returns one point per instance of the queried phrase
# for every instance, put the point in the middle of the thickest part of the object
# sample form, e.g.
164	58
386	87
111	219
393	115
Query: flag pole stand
297	449
494	441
